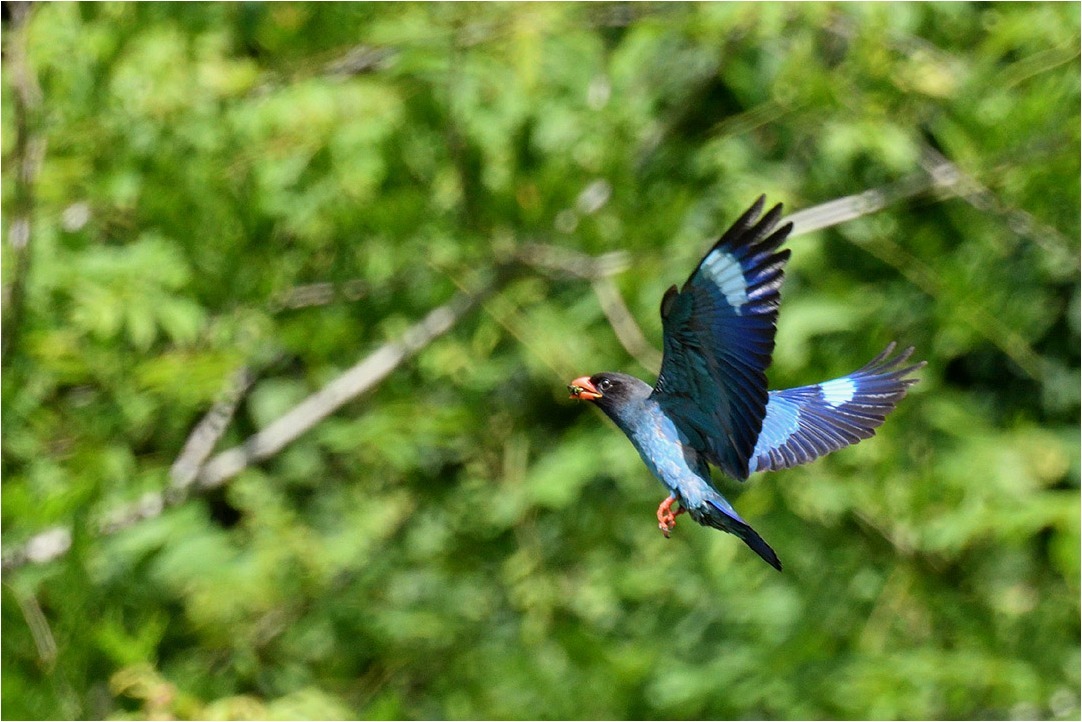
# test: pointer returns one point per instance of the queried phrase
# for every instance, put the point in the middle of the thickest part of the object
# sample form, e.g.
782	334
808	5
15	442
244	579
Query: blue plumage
807	422
719	337
711	405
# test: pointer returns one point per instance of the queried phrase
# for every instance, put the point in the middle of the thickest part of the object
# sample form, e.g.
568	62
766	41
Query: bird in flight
711	405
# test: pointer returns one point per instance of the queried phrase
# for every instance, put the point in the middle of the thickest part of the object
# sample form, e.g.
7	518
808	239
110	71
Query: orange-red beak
581	388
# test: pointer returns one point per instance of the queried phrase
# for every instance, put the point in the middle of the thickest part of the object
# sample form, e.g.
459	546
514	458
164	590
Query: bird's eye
604	385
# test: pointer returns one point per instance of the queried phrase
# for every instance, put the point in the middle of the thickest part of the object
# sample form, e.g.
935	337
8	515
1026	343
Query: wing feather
807	422
719	340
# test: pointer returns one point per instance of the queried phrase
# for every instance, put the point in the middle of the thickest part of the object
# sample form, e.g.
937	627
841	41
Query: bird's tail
716	512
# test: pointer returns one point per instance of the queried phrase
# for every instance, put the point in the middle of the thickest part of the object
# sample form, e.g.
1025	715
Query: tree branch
624	325
205	436
29	153
948	180
350	384
318	294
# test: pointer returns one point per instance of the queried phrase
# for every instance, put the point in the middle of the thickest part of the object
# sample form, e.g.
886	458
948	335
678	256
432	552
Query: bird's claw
666	517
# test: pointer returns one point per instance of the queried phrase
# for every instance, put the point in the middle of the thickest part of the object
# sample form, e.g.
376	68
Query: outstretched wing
807	422
719	338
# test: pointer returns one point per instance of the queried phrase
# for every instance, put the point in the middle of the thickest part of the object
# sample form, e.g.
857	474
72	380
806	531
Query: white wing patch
725	271
838	392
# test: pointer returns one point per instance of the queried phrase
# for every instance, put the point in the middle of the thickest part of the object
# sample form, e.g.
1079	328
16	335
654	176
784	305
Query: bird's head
608	390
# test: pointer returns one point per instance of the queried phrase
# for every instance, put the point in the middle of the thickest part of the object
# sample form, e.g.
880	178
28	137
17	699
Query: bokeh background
219	208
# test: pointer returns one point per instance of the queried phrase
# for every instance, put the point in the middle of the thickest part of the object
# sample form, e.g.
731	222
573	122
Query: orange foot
666	517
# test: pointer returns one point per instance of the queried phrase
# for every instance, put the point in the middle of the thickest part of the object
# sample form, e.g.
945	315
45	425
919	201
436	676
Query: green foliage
463	542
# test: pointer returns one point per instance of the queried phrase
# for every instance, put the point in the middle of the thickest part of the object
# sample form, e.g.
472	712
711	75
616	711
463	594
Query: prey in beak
581	388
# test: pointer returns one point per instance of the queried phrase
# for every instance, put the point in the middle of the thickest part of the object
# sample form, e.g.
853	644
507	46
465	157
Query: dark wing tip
751	237
771	217
883	364
883	368
748	218
756	207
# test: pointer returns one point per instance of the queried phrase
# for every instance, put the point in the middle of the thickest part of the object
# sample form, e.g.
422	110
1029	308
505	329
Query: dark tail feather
758	545
716	515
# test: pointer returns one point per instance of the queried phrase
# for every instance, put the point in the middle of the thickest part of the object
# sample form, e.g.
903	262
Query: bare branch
29	154
358	60
346	387
55	542
44	641
838	211
599	270
568	262
624	325
148	506
946	178
319	294
42	547
188	470
952	180
206	434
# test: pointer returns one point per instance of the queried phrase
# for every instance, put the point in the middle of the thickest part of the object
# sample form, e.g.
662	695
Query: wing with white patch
807	422
719	338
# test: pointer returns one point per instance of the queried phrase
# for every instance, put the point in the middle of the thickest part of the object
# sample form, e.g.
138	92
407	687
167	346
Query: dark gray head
611	391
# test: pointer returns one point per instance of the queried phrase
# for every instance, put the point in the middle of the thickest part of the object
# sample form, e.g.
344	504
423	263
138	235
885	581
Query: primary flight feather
711	405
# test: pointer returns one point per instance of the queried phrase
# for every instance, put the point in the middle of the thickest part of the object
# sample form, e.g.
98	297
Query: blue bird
711	406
